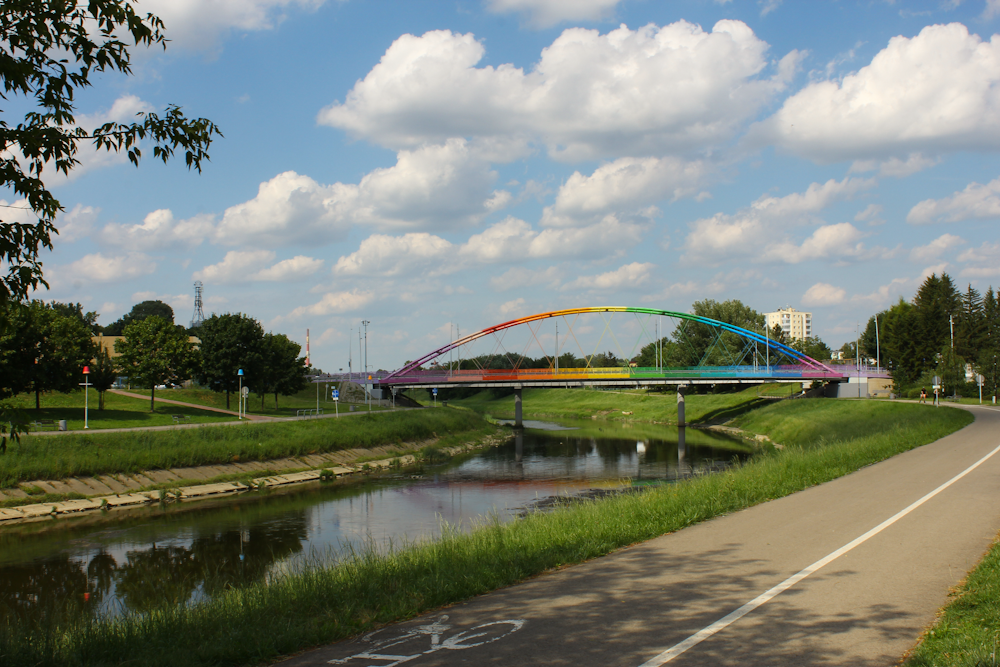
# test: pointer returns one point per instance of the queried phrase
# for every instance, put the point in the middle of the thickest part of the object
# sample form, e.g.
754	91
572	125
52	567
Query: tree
155	352
139	312
42	350
936	302
282	370
229	343
88	319
103	374
813	346
703	344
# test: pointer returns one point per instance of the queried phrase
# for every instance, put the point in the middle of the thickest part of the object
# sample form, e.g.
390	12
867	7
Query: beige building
796	325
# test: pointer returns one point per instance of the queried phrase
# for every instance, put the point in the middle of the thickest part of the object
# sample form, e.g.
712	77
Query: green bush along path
334	601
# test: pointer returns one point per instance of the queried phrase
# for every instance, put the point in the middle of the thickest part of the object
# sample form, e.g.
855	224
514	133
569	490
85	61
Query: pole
878	349
557	348
239	409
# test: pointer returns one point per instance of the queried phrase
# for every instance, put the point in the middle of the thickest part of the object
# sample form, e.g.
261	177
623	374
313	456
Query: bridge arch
808	366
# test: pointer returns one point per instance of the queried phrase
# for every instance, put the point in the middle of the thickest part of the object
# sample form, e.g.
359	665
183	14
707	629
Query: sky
430	166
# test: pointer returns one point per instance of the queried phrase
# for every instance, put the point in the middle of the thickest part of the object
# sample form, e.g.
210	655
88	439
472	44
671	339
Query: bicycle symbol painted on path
414	642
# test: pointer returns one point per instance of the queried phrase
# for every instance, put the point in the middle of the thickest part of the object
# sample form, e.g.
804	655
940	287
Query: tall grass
322	604
55	457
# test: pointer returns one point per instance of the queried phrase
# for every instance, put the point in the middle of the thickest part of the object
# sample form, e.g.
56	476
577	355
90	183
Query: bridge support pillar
517	409
680	407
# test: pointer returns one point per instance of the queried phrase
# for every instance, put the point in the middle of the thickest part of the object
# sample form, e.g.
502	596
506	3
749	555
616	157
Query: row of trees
44	347
942	332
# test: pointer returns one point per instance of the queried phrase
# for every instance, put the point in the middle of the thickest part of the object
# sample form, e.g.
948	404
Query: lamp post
368	397
239	373
86	397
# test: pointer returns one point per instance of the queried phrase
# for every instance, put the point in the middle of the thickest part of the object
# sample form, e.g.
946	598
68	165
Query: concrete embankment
109	492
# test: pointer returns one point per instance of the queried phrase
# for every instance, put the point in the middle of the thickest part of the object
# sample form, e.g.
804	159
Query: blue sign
434	391
335	394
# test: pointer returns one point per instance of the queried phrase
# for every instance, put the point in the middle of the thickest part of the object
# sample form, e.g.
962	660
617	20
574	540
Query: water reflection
177	554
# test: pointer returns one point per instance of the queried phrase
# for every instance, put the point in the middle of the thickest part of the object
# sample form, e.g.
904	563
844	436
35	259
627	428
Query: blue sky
424	164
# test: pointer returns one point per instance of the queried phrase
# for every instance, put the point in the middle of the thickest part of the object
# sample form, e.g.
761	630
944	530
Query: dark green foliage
155	352
230	343
139	312
103	374
50	50
282	370
701	344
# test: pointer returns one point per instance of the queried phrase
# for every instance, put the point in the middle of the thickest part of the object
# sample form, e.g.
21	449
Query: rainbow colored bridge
754	357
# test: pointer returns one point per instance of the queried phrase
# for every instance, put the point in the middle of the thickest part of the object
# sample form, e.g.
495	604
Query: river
136	560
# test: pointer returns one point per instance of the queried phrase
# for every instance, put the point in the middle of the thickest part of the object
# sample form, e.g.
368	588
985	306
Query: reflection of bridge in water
723	353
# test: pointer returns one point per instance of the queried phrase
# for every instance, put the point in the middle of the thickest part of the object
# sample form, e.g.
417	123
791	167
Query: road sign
434	391
336	394
937	380
245	391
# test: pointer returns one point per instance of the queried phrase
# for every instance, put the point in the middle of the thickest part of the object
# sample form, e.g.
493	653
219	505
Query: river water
139	559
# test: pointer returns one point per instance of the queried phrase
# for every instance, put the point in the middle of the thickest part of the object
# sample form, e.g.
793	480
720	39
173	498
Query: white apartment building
796	325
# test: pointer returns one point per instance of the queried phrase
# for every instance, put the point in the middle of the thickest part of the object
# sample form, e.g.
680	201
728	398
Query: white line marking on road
736	615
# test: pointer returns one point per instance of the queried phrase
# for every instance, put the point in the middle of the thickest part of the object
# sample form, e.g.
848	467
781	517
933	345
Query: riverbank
638	405
38	469
328	602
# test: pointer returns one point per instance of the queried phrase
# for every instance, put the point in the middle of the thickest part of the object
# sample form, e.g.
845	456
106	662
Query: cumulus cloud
647	91
97	268
335	303
627	183
198	24
935	248
159	230
438	187
823	294
545	13
895	166
933	93
871	215
288	270
984	261
236	266
829	241
884	294
625	277
512	308
391	255
750	230
974	202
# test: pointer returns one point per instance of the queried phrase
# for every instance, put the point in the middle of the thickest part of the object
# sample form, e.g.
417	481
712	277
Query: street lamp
86	396
240	410
368	397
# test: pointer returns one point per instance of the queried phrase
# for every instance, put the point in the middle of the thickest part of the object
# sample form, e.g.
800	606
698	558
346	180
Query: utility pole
366	323
557	347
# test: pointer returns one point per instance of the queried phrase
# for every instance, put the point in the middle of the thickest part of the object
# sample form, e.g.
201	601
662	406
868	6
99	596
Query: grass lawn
643	405
287	405
119	411
95	453
339	600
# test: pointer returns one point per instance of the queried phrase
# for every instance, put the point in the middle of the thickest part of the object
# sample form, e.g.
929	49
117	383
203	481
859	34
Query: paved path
234	413
865	607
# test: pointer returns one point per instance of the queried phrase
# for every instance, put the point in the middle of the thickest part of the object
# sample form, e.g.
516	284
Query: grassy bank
56	457
968	632
118	412
641	405
259	622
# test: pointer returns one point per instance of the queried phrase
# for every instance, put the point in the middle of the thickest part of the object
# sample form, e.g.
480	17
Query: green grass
287	405
119	411
56	457
644	406
260	622
968	632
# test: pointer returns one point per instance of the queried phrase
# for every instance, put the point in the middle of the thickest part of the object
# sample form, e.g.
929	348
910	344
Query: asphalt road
863	606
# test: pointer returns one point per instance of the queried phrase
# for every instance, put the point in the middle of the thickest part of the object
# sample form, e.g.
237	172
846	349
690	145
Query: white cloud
992	9
935	248
159	231
627	183
625	277
608	238
381	255
515	307
198	24
986	256
96	268
870	215
823	294
74	224
508	240
933	93
892	291
648	91
236	266
768	6
433	187
895	166
829	241
974	202
335	303
545	13
296	268
754	228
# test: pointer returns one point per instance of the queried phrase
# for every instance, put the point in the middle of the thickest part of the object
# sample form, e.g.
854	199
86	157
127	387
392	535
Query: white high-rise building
796	325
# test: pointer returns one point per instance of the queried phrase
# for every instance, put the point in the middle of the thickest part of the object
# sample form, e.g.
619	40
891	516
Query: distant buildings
795	324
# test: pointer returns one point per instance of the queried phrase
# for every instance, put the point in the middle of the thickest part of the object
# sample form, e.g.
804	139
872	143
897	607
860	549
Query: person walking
923	395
